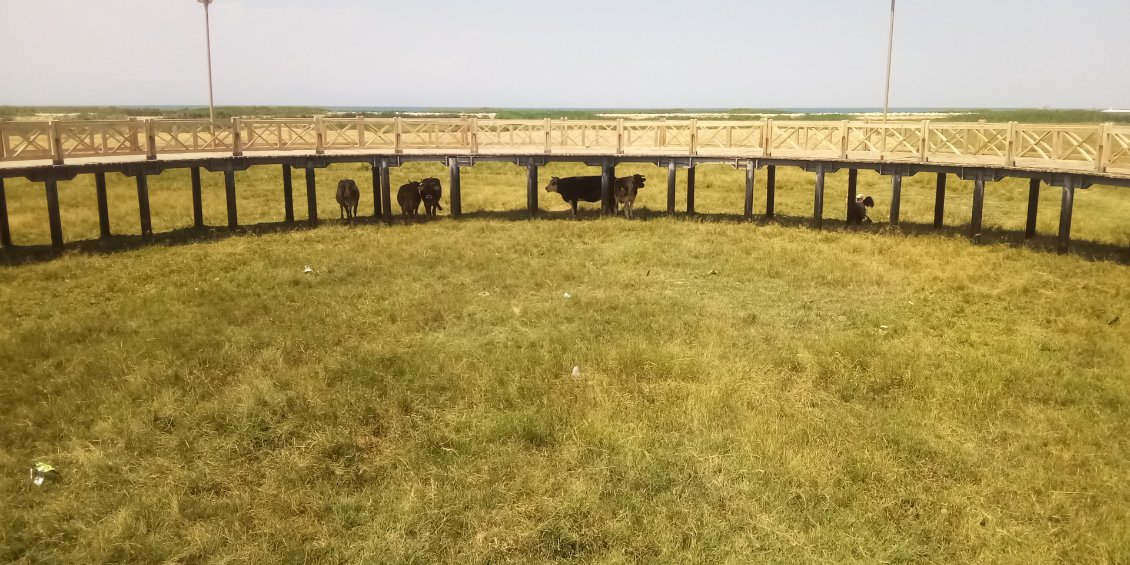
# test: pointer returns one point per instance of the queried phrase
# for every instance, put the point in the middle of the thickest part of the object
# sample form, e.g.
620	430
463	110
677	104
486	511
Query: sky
568	54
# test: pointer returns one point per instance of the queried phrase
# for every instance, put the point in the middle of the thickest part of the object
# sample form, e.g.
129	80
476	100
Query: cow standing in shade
347	197
430	192
575	189
408	196
625	189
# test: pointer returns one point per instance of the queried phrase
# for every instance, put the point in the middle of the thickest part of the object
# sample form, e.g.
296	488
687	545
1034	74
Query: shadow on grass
1090	250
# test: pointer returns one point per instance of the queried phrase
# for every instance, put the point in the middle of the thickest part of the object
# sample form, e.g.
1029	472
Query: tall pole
208	36
890	48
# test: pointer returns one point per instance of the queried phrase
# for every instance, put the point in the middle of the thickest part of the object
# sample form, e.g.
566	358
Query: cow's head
638	180
868	202
552	186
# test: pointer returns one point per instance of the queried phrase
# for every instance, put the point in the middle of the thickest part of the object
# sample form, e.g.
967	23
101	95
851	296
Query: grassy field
748	391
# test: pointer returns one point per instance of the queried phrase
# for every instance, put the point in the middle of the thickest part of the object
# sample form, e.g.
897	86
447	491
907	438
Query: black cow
575	189
430	192
857	214
347	196
408	196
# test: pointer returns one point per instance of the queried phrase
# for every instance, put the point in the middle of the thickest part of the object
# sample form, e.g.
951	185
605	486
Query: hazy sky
576	53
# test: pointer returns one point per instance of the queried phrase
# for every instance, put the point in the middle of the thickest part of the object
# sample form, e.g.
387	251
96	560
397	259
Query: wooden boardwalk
1067	156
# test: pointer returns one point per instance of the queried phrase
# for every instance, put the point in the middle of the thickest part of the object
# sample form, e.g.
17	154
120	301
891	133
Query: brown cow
625	190
347	197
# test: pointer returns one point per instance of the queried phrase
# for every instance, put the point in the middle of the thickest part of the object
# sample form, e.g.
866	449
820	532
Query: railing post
1101	148
694	136
767	134
619	136
319	135
844	139
150	140
924	143
56	142
236	137
474	134
661	132
396	135
3	141
548	135
1010	149
360	132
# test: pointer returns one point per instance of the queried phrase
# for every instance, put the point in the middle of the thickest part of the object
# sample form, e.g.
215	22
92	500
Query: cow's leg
574	203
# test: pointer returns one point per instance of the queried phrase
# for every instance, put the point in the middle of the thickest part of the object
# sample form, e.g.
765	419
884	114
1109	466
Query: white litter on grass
41	472
307	269
576	371
567	295
484	293
882	327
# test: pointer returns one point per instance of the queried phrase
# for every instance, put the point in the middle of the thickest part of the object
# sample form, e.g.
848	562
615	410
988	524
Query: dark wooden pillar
532	187
197	199
377	208
143	205
978	207
607	177
53	217
690	189
896	198
103	205
229	191
770	189
288	194
311	196
940	202
456	191
386	191
1065	207
852	192
818	199
1033	208
5	230
670	187
749	178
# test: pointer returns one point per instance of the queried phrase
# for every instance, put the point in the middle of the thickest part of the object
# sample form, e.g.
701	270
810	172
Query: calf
625	189
430	192
858	212
347	196
575	189
409	198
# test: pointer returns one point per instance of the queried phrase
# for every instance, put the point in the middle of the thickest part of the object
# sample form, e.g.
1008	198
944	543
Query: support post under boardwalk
311	196
143	205
386	191
607	177
670	187
1033	208
940	202
288	194
197	200
103	205
896	198
532	187
690	189
749	177
978	207
53	218
770	189
1065	214
5	230
456	191
853	191
229	191
376	171
818	199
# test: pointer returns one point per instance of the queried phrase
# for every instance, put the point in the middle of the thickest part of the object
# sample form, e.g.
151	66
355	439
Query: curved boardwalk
1065	156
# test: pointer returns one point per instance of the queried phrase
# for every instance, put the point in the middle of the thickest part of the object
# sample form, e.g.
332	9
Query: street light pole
890	48
208	36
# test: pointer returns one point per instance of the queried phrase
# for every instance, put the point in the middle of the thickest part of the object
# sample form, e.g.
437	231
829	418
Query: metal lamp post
208	36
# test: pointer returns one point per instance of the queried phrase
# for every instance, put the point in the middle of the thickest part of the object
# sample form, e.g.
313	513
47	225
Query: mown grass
748	392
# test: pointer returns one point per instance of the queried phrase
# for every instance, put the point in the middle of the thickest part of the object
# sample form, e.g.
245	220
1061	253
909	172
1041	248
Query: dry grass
748	392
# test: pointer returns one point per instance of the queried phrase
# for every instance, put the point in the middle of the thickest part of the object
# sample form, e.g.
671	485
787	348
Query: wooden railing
1099	148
